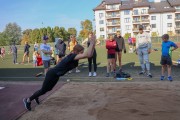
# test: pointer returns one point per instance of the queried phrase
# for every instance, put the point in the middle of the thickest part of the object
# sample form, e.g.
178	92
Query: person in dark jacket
26	52
61	50
14	53
120	47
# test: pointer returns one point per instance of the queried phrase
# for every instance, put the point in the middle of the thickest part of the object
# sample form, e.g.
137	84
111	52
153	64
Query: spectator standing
111	51
46	54
166	60
14	53
143	49
26	52
36	46
120	47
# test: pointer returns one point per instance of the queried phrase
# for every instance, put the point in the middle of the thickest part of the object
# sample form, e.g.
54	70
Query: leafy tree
26	36
12	33
126	36
72	31
3	39
86	28
50	34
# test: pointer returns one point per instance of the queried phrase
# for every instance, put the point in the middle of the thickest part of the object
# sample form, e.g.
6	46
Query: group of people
115	46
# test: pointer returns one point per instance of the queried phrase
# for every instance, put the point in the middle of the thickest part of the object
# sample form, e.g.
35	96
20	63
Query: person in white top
36	46
35	59
143	49
46	54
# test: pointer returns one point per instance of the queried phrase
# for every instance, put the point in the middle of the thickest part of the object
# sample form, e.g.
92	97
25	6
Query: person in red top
111	51
134	43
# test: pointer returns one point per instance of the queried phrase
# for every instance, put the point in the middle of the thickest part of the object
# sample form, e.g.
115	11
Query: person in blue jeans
166	61
143	49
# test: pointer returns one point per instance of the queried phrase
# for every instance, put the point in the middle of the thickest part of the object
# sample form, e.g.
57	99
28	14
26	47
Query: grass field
10	71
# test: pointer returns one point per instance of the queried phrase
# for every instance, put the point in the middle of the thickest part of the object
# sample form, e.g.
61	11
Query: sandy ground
111	101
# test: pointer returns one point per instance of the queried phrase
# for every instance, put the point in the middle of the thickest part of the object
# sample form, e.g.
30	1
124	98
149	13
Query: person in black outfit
93	58
61	50
26	51
68	63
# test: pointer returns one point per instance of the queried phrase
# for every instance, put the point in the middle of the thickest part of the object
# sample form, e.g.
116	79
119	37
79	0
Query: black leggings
92	59
49	82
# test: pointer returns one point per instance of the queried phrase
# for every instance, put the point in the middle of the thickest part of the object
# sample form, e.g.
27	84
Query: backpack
123	75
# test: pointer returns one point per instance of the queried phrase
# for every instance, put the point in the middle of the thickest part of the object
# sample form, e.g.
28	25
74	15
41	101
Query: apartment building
158	17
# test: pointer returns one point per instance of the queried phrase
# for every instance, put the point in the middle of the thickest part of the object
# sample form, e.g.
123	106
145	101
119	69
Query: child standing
166	60
35	59
111	51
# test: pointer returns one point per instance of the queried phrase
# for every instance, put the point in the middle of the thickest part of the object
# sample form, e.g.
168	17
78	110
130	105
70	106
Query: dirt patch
111	101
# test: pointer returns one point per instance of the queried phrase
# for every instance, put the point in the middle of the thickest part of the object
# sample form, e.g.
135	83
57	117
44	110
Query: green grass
8	69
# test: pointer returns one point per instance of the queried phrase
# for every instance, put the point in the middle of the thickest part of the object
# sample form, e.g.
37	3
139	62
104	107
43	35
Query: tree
50	34
3	39
12	33
72	31
26	36
126	36
86	28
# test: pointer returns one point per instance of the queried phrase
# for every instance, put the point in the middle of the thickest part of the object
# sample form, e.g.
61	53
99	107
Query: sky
31	14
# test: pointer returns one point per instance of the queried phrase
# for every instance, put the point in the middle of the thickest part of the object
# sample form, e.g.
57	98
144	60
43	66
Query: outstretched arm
89	51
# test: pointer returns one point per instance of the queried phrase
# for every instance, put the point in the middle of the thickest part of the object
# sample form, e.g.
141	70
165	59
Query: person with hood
120	47
60	50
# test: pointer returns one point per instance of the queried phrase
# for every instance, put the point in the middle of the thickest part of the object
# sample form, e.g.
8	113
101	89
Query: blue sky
31	13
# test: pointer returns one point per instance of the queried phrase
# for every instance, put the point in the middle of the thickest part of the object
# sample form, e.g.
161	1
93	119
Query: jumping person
166	60
120	47
143	49
68	63
93	58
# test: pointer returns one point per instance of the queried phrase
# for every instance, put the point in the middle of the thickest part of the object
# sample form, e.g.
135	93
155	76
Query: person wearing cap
46	54
120	47
143	49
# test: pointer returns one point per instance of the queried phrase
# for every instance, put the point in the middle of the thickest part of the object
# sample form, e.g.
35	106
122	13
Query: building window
153	25
101	22
143	11
102	29
127	12
135	12
169	25
113	29
127	20
153	17
127	27
101	15
169	16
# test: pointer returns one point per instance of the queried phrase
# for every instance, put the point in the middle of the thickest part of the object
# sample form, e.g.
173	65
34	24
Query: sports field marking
2	88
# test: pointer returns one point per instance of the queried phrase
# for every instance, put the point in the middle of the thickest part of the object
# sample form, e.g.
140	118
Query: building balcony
136	14
110	24
177	28
113	16
137	30
113	9
111	32
145	21
177	19
177	11
144	13
136	21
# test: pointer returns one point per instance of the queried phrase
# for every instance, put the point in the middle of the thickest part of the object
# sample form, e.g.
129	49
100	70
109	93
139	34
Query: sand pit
111	101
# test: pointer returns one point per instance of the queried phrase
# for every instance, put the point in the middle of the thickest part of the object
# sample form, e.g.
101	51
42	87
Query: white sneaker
90	74
77	71
70	72
94	74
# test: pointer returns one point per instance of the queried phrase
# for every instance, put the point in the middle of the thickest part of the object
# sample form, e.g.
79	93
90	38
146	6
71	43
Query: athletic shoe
70	71
90	74
141	73
170	78
162	78
37	100
94	74
107	74
149	75
27	104
77	71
